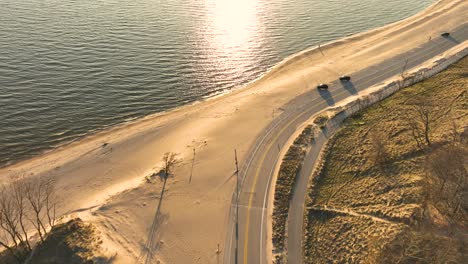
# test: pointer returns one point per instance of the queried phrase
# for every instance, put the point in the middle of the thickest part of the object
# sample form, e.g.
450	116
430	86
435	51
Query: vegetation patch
285	182
393	184
74	242
346	228
29	232
321	120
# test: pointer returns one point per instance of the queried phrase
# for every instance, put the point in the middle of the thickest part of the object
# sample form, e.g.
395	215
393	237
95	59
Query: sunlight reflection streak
232	32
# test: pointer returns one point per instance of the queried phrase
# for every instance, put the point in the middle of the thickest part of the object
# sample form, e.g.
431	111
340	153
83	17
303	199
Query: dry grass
380	200
348	239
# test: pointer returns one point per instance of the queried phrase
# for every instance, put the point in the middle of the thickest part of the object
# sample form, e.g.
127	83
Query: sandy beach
101	178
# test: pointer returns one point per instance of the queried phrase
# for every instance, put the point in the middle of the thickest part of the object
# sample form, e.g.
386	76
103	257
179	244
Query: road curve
296	211
257	169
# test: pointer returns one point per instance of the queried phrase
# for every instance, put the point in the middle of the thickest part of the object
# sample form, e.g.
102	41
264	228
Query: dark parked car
345	78
322	86
445	34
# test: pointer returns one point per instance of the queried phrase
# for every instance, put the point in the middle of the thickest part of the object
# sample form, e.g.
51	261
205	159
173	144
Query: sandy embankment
195	214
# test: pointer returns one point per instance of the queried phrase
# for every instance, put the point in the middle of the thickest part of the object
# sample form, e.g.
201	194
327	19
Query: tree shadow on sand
152	243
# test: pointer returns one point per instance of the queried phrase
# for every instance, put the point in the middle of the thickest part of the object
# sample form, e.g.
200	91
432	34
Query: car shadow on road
349	86
452	39
326	95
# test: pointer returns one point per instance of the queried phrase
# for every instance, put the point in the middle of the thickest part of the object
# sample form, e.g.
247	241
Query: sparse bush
380	155
321	121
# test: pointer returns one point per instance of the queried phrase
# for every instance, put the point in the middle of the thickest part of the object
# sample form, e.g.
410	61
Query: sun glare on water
234	21
231	30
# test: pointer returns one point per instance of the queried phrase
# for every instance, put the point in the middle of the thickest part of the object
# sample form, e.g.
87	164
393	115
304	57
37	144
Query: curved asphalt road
257	169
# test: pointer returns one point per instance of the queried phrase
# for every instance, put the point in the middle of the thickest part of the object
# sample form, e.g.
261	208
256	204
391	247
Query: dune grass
371	194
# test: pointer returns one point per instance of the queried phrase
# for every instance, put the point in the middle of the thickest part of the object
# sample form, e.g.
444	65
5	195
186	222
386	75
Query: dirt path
349	212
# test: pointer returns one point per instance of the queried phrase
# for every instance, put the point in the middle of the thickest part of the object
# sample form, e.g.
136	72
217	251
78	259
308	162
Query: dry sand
106	184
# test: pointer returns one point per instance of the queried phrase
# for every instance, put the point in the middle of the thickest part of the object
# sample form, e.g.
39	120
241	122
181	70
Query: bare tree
25	202
51	200
18	194
447	179
422	115
9	231
14	211
170	160
35	195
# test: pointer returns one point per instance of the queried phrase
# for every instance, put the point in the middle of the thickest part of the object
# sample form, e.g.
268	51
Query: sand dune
106	184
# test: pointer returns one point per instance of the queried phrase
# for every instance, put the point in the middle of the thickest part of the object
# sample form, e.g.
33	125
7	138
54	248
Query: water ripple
68	68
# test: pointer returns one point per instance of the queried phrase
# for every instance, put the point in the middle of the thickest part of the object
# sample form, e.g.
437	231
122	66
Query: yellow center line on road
257	173
269	146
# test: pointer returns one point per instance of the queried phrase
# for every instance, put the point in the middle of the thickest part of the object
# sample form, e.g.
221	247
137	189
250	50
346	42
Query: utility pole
237	206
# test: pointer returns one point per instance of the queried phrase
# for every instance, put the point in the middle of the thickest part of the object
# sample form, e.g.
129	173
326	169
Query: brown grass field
375	200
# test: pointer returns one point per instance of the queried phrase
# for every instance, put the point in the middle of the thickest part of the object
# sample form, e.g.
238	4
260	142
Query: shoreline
101	178
270	72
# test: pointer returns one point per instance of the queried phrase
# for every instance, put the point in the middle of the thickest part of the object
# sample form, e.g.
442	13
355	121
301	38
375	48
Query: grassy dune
73	242
377	199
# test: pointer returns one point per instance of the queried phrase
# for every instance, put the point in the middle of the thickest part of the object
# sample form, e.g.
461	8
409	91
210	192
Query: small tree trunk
26	238
426	137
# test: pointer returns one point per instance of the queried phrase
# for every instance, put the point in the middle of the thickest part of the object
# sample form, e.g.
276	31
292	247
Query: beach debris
148	178
218	251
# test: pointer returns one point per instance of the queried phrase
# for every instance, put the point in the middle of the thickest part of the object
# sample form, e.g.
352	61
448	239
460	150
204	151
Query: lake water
72	67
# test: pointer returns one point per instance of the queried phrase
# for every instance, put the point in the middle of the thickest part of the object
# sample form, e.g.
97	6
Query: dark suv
322	86
345	78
